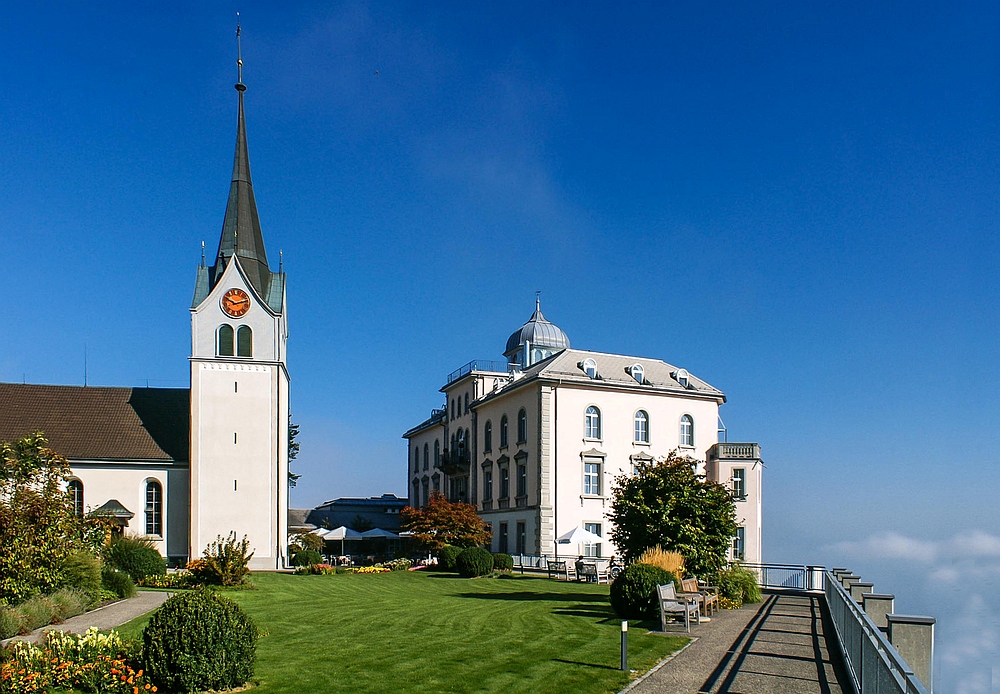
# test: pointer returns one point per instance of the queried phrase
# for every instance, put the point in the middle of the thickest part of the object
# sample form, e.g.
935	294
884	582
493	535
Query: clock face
236	303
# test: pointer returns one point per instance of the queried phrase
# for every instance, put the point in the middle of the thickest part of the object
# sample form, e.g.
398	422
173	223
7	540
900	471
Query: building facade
184	466
536	442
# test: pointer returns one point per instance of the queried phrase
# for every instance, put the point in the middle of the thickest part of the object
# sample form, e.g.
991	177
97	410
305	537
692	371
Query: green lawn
431	632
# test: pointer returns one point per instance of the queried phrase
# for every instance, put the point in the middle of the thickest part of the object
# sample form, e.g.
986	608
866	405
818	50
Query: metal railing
787	576
490	365
875	666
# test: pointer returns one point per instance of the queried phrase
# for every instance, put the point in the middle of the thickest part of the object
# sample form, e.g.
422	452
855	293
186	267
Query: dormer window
682	377
589	367
636	372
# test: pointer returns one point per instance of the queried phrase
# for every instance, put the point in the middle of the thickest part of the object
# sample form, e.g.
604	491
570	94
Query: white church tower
239	383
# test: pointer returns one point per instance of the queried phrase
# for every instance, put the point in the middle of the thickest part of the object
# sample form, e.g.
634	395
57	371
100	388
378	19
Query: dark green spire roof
241	228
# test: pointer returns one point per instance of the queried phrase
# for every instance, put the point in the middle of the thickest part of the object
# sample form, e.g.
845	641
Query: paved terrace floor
783	645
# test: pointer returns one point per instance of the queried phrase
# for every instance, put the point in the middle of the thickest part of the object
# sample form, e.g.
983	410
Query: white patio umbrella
577	536
342	533
379	532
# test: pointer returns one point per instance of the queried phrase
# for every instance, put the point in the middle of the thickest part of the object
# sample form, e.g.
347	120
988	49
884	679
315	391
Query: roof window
683	377
635	371
589	367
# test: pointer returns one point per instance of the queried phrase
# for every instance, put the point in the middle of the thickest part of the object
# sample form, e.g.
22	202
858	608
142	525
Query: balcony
734	451
488	365
454	462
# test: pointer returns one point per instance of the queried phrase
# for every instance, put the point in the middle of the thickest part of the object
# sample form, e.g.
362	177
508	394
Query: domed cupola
535	340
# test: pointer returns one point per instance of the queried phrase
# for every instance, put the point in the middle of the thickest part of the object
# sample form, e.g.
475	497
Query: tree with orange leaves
442	522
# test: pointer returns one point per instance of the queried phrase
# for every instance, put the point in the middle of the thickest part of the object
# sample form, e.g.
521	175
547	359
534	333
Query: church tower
239	383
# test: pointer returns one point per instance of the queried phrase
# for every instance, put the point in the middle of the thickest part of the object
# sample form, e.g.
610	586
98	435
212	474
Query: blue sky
799	205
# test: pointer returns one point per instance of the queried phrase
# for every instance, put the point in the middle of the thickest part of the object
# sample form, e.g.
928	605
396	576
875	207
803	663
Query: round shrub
447	556
118	582
739	585
82	570
306	557
633	593
474	561
503	562
136	556
198	641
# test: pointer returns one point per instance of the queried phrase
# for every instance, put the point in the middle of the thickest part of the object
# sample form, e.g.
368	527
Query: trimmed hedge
474	561
447	556
198	641
306	557
136	556
503	562
633	593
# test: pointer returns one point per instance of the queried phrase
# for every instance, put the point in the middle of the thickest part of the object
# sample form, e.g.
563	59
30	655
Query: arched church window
225	341
75	489
244	341
154	508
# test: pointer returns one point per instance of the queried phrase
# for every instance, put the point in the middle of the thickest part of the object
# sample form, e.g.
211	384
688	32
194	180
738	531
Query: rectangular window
592	479
521	538
522	480
488	485
503	538
739	544
739	483
592	549
504	483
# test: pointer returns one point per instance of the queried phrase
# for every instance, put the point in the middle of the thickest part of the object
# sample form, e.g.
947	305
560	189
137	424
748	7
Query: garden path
781	645
104	618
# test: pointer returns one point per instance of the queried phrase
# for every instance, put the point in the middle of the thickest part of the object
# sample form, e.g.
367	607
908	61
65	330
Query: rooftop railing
489	365
739	451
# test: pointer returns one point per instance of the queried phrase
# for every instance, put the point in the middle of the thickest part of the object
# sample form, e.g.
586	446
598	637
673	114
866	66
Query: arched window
466	403
244	341
416	457
75	489
522	426
636	372
593	423
460	440
683	377
641	427
225	342
589	367
687	430
437	452
503	431
154	508
488	436
427	456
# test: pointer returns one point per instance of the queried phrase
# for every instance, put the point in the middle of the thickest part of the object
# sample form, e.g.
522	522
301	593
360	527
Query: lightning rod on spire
239	56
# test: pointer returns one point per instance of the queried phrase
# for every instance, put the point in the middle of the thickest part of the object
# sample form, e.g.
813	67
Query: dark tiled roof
99	423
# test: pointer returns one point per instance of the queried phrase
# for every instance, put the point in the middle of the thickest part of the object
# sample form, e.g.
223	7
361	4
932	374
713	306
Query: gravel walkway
104	618
777	646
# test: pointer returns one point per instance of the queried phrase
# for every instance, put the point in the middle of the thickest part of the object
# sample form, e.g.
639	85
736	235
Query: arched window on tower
225	341
75	489
244	341
522	426
154	508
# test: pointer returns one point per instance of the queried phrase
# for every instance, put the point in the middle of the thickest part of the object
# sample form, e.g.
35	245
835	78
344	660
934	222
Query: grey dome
539	332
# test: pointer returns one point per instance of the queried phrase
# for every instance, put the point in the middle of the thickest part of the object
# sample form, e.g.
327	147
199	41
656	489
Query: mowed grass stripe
432	632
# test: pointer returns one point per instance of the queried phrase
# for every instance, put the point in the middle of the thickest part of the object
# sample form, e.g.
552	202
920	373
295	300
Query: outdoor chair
675	605
708	596
595	573
562	570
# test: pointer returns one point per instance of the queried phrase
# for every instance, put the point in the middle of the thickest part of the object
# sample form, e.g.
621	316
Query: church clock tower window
225	341
244	341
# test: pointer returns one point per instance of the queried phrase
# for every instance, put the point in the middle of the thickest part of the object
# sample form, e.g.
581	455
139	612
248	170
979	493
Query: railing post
814	578
913	637
859	588
877	606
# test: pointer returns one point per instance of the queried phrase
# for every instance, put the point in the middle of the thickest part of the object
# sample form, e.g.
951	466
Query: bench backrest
689	585
666	593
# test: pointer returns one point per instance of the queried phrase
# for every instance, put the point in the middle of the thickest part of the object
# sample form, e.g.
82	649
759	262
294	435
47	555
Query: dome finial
538	299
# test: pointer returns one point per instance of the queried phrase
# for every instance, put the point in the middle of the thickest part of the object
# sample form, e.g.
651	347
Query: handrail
874	664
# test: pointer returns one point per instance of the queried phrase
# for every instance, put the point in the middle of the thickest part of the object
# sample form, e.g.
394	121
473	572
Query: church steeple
241	234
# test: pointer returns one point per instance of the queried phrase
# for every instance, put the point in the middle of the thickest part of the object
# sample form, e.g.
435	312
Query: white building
183	466
535	442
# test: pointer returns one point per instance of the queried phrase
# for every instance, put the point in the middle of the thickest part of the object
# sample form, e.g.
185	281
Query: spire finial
281	260
203	254
239	57
538	299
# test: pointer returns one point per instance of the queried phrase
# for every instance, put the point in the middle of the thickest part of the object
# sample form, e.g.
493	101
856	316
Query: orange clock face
236	303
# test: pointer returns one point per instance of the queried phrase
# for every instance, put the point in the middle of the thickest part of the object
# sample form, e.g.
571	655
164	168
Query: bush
224	562
10	622
136	556
503	562
198	641
447	556
306	557
397	564
82	570
177	579
36	612
69	602
474	561
668	561
633	593
739	585
118	582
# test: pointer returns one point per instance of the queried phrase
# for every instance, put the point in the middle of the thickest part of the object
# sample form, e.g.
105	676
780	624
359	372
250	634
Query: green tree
666	503
38	528
442	522
293	451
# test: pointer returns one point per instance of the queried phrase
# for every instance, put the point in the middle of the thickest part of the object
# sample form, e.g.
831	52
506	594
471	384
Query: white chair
674	605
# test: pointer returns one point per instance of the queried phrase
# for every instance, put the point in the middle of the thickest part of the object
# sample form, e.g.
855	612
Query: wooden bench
673	604
708	596
596	572
562	570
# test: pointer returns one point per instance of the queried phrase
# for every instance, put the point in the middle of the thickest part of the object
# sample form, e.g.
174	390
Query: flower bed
94	662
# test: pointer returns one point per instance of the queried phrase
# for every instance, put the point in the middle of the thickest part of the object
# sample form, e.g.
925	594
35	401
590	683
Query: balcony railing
454	462
490	365
735	451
